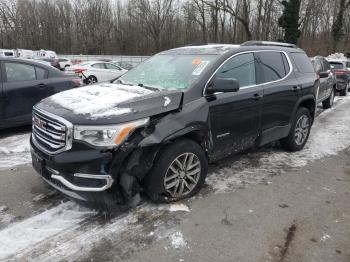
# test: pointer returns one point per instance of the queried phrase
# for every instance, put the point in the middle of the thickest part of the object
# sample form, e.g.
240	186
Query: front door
235	116
24	85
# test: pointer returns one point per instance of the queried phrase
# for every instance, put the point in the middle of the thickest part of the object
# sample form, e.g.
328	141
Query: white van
25	54
7	53
45	54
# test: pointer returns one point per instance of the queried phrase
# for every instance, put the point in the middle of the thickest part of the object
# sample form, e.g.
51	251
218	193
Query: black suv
155	128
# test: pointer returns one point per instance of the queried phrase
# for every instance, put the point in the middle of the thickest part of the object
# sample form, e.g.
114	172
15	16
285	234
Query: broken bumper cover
81	173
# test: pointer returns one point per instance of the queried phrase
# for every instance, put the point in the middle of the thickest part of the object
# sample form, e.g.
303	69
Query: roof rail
267	43
196	44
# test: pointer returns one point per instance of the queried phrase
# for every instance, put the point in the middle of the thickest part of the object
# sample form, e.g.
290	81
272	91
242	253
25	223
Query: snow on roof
98	101
337	56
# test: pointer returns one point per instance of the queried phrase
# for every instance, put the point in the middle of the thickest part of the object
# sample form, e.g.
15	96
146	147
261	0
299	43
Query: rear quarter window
274	65
302	63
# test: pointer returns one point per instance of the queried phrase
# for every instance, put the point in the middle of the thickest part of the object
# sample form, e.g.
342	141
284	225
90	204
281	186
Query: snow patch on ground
98	100
14	150
330	134
179	207
30	232
177	240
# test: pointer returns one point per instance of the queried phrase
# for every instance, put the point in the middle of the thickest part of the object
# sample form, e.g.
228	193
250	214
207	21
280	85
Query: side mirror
323	74
224	85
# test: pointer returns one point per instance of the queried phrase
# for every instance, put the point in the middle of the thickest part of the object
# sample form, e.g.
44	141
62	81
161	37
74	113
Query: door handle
296	88
41	86
257	96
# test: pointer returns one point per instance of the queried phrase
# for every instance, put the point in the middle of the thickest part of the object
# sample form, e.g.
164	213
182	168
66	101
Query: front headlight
107	136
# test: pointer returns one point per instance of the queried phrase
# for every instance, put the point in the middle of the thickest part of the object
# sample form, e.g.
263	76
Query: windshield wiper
149	87
119	81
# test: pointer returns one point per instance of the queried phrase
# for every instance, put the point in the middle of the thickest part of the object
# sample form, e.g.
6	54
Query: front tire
91	80
328	103
300	131
179	172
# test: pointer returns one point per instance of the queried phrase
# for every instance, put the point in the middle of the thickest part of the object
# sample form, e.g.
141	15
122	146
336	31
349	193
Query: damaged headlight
107	136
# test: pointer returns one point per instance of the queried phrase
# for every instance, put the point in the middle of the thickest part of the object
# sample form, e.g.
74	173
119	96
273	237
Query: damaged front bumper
82	173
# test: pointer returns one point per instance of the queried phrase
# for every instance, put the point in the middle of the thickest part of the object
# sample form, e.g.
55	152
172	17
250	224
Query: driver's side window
241	68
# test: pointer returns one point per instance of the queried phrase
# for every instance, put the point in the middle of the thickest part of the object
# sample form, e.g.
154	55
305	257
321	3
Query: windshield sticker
200	68
196	61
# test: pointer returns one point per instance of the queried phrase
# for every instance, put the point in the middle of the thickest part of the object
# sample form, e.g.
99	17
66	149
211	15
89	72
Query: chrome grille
50	133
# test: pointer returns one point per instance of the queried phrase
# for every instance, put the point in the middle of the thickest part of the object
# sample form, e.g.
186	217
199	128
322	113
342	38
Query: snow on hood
98	101
337	56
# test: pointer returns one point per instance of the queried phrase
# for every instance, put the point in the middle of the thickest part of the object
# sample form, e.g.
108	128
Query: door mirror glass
224	85
323	74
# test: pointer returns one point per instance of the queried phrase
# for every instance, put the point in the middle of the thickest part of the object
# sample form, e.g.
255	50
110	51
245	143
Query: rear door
23	86
281	93
235	116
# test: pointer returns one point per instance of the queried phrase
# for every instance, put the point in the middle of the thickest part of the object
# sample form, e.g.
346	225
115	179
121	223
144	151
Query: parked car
64	63
328	81
156	127
342	72
53	61
23	83
97	71
123	64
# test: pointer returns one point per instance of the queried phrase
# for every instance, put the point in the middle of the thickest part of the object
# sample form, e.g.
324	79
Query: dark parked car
328	81
342	71
156	127
23	83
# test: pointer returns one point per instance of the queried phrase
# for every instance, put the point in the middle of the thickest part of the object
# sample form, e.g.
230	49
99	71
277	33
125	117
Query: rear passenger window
40	73
302	63
19	72
273	65
100	66
241	67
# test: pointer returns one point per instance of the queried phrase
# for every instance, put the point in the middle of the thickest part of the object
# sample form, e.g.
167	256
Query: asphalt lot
265	205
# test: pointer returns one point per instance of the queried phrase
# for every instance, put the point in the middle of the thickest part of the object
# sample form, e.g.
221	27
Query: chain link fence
134	60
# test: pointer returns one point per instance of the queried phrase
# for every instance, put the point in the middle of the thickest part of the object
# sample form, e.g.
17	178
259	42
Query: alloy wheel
301	130
182	175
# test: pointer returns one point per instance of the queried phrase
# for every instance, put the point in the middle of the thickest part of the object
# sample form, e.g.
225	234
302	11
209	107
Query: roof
205	49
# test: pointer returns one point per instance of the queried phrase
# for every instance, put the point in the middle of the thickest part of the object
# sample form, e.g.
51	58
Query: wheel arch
309	102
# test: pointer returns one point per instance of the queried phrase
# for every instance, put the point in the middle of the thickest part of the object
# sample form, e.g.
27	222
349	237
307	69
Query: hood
110	103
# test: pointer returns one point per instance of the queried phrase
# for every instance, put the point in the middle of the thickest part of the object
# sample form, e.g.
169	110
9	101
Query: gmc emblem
38	122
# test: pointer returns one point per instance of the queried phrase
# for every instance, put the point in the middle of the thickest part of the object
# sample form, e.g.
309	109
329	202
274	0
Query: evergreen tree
337	27
289	20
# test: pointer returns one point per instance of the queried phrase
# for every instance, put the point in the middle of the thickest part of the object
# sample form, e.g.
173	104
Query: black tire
290	142
344	92
154	182
328	103
91	80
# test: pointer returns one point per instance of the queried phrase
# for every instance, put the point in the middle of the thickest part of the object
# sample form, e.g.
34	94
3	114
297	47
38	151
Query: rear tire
299	132
328	103
344	92
179	172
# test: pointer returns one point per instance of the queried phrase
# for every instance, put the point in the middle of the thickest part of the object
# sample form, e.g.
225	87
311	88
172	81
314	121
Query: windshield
337	65
168	71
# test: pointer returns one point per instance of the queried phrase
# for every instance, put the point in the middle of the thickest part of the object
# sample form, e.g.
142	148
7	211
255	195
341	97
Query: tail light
340	72
76	82
79	70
